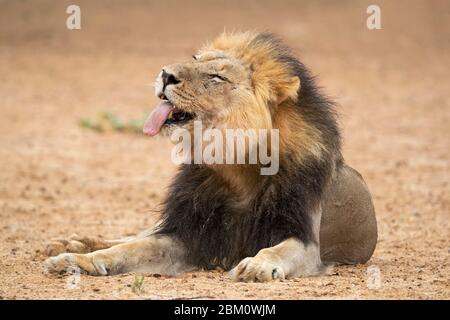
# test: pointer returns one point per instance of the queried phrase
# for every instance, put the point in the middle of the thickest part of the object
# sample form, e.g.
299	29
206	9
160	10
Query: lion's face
235	82
205	89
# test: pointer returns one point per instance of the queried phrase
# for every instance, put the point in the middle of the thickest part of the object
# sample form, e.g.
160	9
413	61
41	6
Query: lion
315	212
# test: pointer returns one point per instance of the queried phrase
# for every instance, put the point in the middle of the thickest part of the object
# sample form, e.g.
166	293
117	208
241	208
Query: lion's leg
155	254
289	259
78	244
348	233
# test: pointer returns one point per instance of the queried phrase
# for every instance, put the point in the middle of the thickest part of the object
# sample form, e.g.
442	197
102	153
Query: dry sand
57	178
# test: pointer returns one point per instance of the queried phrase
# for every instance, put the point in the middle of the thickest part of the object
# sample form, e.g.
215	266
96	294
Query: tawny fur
229	216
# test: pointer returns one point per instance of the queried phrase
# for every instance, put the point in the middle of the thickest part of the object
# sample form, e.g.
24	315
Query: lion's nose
168	78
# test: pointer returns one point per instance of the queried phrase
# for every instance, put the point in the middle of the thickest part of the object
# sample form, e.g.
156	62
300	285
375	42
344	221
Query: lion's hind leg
83	244
78	244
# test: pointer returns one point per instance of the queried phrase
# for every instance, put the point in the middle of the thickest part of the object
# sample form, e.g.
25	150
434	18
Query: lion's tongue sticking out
157	118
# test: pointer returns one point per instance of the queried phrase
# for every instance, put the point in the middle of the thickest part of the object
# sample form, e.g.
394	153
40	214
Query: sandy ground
57	178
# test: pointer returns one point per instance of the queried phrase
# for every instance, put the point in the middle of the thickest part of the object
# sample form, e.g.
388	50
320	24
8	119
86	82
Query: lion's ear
288	89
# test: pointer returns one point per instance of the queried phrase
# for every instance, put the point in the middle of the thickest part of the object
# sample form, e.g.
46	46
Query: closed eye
218	78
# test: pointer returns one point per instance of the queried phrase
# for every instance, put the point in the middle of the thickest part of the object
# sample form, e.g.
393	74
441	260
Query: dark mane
204	213
316	107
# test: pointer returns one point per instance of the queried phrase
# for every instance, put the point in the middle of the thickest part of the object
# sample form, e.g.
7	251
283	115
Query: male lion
315	211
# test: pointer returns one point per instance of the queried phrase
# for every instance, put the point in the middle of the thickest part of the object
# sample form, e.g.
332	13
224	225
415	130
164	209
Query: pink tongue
157	118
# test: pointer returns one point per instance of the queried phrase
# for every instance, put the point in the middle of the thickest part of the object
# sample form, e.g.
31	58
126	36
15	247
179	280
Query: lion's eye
217	78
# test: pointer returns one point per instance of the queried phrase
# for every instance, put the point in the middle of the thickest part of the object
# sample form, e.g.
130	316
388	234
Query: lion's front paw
257	269
92	264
